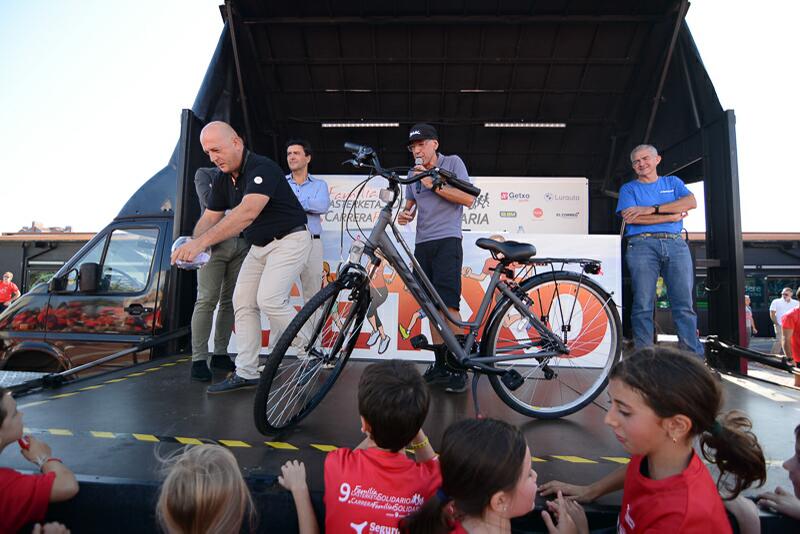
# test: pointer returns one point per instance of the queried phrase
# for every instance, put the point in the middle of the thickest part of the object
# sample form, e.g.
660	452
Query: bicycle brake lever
352	162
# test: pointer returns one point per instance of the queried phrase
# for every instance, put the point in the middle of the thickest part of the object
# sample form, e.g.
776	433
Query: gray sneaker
231	383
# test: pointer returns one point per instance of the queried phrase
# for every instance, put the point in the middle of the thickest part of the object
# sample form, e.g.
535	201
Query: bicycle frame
429	300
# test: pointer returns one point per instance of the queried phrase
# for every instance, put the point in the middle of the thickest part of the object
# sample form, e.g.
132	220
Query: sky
91	94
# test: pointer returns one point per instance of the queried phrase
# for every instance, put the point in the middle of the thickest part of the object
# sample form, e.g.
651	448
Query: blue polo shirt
663	191
315	198
438	218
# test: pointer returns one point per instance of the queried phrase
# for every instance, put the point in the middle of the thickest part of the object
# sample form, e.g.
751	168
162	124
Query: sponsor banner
400	314
523	204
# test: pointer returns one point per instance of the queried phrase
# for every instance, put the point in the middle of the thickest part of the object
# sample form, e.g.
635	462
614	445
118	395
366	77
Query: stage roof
615	73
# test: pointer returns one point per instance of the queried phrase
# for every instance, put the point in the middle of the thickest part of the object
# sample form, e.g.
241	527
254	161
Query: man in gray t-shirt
438	243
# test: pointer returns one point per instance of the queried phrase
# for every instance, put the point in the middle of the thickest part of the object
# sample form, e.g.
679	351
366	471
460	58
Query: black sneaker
232	383
457	382
436	375
222	362
200	372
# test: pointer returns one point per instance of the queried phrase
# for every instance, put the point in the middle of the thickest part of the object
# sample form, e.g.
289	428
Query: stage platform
111	429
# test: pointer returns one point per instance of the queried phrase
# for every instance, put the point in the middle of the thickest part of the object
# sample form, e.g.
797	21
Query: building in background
35	256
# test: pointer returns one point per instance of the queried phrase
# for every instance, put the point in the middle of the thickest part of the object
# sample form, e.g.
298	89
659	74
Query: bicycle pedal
512	379
420	342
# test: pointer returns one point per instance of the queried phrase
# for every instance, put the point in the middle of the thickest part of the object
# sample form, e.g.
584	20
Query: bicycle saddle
510	250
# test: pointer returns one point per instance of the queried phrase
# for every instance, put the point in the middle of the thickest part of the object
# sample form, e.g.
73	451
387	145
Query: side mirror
88	279
67	282
57	283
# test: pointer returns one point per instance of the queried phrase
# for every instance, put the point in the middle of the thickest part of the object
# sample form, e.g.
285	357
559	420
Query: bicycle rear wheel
584	317
310	356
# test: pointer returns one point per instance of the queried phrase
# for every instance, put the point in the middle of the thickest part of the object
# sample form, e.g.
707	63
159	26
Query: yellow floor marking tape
114	380
89	388
188	441
616	459
537	459
574	459
324	448
168	364
64	395
281	445
152	369
234	443
60	432
98	434
146	437
136	374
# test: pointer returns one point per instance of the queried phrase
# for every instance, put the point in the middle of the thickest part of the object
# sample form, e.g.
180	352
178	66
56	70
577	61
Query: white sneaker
373	337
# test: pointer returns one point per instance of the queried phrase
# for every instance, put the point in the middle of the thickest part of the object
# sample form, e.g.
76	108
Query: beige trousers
264	285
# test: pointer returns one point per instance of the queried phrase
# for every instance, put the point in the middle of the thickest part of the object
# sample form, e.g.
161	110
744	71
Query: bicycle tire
294	384
557	386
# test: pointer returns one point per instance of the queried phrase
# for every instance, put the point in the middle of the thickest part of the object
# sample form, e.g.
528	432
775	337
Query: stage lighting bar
360	124
524	125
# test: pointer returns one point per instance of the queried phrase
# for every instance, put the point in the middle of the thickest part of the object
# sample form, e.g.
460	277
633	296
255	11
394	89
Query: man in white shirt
780	307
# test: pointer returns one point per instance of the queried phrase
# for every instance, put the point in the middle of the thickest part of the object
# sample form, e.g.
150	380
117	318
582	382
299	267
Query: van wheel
37	362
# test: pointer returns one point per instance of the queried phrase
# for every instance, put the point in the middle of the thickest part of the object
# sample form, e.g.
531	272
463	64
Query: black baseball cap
421	131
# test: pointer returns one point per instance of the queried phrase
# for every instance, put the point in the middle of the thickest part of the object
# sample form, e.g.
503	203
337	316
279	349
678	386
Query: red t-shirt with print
792	320
23	498
370	489
7	290
687	503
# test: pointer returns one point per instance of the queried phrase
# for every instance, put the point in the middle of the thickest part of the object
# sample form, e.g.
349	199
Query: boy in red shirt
24	498
370	488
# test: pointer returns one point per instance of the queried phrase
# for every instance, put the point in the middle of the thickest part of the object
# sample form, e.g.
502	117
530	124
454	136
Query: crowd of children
665	410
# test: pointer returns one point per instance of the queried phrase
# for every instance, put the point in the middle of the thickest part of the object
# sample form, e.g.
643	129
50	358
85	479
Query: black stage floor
111	429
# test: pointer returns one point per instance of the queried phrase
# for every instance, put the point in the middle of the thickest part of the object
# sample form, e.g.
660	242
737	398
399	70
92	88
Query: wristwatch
656	207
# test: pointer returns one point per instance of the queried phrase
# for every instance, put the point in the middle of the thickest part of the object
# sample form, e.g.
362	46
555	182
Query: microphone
417	162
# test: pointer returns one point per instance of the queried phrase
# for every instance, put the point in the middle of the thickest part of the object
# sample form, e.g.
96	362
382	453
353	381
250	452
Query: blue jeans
647	258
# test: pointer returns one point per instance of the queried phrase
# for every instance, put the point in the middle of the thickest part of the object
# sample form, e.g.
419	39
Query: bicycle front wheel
310	356
584	317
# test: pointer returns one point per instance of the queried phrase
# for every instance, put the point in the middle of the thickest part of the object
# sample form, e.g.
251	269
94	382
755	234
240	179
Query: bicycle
546	343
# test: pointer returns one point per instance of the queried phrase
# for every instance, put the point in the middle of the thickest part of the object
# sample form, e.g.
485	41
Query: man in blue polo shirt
653	208
438	238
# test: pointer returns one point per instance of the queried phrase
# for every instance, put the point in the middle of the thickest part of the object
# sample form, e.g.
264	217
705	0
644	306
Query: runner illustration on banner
379	291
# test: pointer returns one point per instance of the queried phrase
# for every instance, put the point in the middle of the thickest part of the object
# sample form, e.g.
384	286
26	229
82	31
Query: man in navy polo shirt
259	201
653	208
438	239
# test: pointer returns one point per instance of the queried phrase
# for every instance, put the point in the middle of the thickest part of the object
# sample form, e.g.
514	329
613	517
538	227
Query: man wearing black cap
438	240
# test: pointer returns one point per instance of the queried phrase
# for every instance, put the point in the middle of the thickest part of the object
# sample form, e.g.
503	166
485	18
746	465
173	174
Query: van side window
95	255
127	263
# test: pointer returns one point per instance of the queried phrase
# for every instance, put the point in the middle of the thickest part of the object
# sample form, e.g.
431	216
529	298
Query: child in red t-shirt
370	488
661	399
24	498
486	480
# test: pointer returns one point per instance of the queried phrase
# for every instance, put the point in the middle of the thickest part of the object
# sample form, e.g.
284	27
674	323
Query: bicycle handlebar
365	156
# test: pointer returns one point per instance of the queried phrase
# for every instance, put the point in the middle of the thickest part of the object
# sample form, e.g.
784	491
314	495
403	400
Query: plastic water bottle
199	260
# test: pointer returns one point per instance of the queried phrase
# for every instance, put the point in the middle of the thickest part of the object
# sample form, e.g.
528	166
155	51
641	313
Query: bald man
261	204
